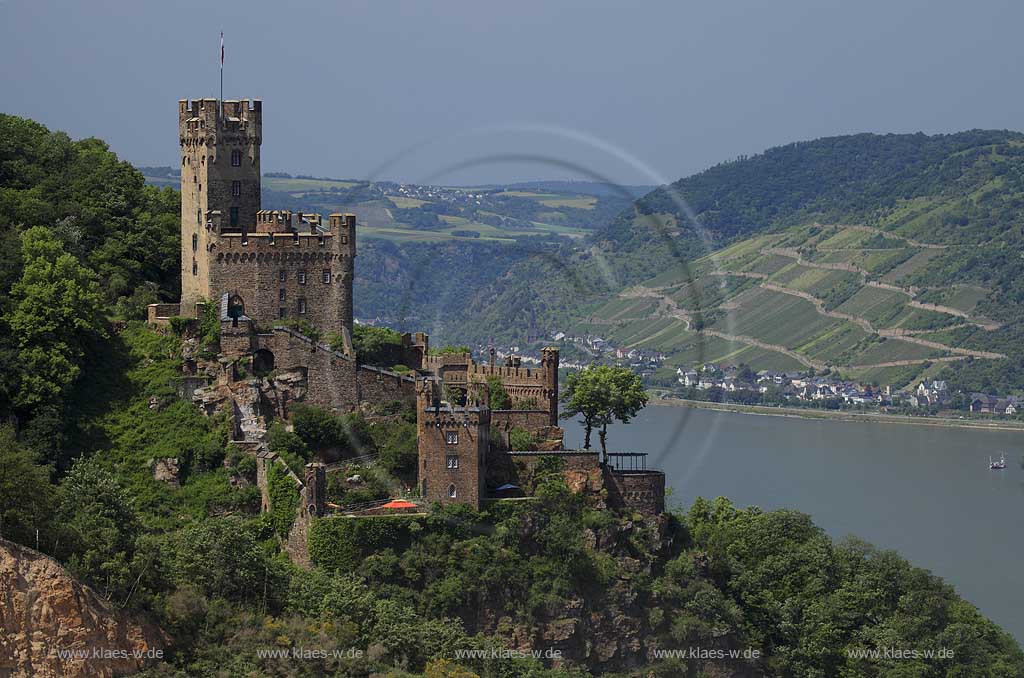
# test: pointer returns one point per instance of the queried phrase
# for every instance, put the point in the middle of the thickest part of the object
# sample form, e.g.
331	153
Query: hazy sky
455	92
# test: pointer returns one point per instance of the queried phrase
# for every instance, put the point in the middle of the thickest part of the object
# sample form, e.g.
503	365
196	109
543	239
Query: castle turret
343	230
549	366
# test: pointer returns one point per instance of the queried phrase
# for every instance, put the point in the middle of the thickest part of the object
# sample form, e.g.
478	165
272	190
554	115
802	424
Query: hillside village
734	382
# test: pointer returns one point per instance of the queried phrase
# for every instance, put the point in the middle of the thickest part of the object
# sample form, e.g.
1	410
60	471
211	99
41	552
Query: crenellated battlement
531	387
230	120
285	221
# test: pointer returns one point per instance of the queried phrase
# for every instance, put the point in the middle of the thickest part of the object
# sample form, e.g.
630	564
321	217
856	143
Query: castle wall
334	381
642	491
254	271
530	420
161	314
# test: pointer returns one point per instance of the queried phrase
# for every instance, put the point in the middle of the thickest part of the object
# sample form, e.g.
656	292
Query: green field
402	201
305	185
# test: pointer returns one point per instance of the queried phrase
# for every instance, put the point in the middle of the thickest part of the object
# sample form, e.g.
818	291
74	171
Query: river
926	492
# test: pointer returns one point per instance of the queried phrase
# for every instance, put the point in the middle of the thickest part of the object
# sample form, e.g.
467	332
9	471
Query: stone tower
220	177
279	265
452	443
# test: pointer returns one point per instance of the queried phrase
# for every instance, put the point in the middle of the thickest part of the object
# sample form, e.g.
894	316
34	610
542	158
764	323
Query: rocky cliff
52	625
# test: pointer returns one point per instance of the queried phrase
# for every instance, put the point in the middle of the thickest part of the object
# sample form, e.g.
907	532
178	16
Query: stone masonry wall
642	491
334	381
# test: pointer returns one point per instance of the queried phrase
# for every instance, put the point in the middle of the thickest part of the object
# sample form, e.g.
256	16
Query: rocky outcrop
612	630
52	625
167	470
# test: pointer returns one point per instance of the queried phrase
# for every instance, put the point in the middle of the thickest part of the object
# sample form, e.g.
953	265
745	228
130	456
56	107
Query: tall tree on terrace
602	395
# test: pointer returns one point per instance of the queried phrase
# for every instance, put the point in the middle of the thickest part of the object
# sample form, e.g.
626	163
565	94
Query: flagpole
222	65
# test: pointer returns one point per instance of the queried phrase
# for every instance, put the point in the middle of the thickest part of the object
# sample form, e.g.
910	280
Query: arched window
451	492
195	242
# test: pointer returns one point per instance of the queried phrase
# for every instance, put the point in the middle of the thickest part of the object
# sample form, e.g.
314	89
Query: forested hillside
936	218
82	240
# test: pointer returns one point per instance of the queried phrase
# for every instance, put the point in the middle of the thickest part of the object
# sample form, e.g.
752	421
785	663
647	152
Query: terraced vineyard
828	297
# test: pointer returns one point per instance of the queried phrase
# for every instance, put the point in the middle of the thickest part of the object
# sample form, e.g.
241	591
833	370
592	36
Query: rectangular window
283	275
451	437
282	295
234	216
236	188
195	242
236	158
327	276
453	462
302	306
281	313
302	277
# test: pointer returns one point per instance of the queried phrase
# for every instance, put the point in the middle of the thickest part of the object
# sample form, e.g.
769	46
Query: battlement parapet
242	248
433	362
286	221
246	112
505	372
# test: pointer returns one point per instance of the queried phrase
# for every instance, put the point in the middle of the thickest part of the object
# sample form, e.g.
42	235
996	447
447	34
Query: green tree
103	526
26	495
56	314
499	397
602	395
222	558
379	346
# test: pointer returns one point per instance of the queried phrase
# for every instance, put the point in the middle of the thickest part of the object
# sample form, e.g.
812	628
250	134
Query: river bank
841	415
925	491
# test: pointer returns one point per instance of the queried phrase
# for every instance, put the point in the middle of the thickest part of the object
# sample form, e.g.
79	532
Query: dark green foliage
289	446
209	328
499	397
342	543
378	346
303	327
102	527
520	439
26	496
331	435
806	601
449	349
103	242
56	316
396	445
221	557
284	499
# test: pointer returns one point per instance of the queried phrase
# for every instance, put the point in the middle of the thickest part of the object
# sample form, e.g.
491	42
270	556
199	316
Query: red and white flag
222	49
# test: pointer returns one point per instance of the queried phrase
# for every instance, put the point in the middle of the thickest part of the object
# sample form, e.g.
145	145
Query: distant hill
580	187
920	274
885	257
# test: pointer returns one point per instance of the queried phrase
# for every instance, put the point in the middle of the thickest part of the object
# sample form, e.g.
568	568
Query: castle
276	280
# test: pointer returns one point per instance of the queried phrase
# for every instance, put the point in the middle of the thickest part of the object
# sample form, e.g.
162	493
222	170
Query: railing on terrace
628	461
367	505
